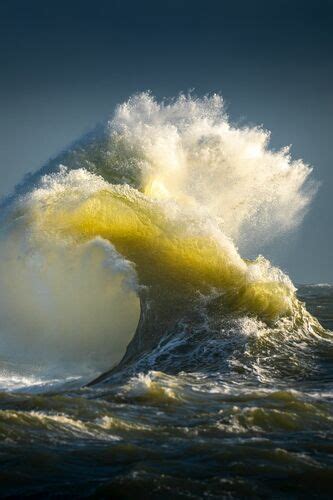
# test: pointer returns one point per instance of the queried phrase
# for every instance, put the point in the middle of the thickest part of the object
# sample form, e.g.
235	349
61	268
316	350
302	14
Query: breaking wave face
151	210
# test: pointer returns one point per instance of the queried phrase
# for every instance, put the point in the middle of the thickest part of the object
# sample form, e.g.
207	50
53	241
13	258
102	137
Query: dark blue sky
64	66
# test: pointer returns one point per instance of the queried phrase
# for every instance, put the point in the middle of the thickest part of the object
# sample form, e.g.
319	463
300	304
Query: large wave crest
154	205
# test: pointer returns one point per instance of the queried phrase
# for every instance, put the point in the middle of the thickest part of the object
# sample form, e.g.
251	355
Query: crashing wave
153	208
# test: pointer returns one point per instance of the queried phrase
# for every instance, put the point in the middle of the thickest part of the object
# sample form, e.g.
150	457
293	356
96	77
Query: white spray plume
188	149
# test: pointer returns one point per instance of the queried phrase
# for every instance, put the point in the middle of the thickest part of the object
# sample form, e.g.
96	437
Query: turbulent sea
144	352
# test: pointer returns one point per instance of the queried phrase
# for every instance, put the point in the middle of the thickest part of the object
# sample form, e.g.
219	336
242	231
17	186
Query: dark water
223	432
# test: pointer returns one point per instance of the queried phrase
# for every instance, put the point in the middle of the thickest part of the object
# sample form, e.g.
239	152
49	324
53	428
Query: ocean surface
142	353
202	434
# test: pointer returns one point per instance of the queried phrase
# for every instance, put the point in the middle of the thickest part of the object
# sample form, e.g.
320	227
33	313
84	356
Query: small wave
319	285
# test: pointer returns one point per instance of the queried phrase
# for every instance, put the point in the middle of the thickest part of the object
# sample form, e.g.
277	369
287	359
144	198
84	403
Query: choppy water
216	374
190	435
